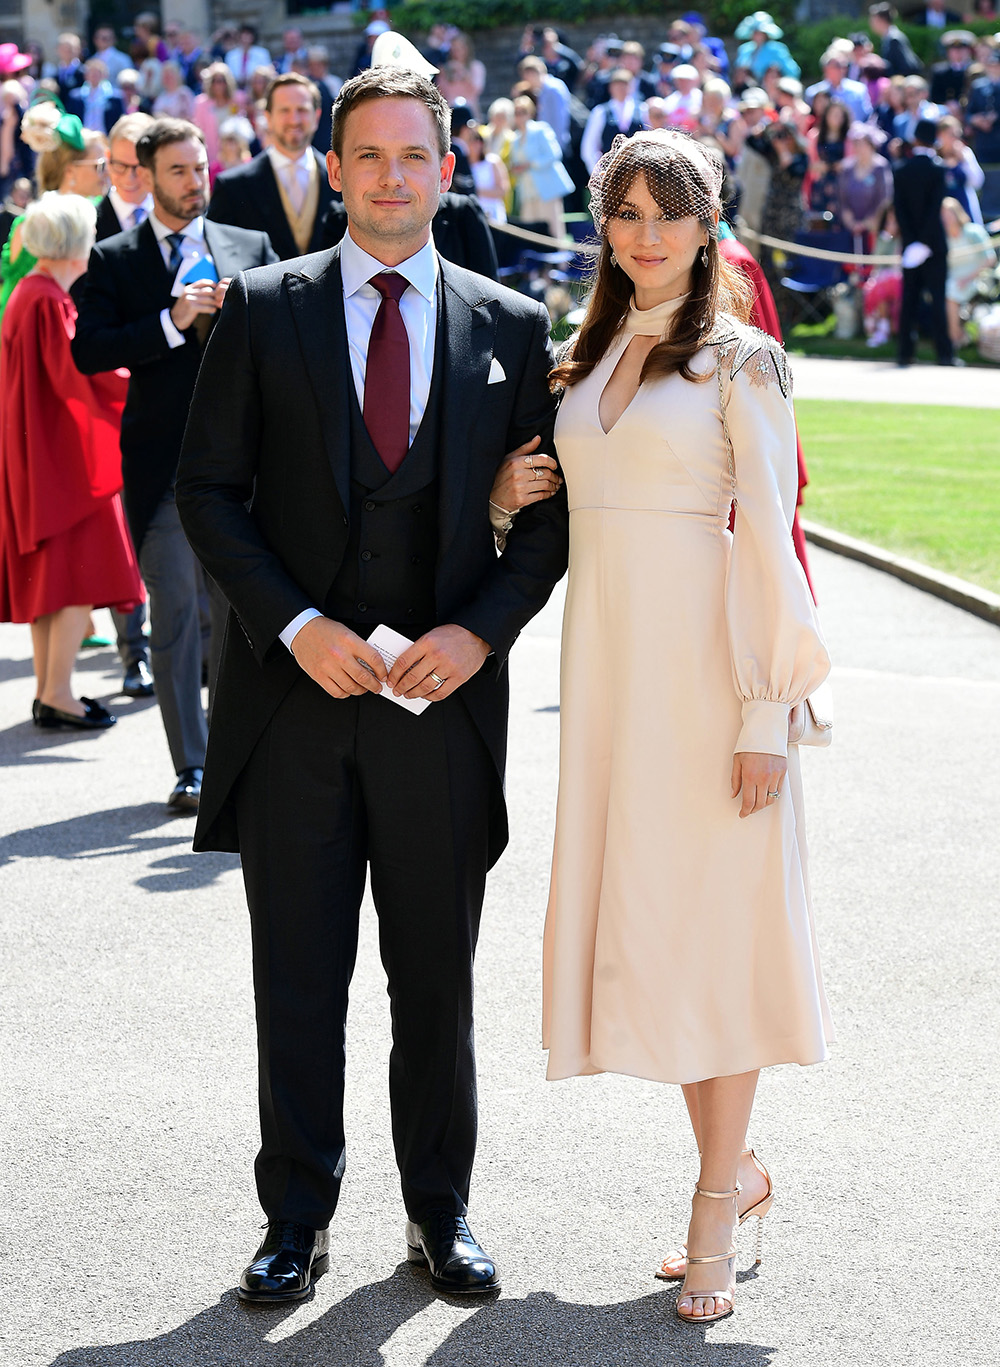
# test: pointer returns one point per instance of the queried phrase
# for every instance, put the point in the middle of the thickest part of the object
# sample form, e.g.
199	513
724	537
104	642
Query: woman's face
88	176
522	113
657	254
220	89
170	77
836	121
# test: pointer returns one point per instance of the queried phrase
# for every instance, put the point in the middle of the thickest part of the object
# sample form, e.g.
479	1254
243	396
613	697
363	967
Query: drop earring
704	255
614	259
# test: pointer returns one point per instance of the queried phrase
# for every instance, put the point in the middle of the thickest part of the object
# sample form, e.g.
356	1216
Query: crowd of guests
188	160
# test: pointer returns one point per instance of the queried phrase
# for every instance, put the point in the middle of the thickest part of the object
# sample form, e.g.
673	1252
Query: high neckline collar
652	322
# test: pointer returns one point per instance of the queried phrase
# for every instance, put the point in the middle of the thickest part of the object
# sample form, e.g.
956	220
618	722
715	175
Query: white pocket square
497	372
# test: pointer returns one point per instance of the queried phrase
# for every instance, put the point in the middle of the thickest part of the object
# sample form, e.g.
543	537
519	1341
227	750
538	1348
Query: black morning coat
263	491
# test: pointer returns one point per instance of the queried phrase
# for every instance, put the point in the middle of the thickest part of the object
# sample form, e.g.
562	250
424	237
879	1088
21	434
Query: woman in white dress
678	943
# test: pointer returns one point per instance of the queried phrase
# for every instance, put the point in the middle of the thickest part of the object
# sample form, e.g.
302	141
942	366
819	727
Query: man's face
833	72
124	169
533	80
66	52
618	90
178	180
292	40
292	119
391	175
246	37
632	62
104	38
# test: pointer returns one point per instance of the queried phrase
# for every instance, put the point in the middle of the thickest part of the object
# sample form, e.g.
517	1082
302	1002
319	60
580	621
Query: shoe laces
456	1226
288	1233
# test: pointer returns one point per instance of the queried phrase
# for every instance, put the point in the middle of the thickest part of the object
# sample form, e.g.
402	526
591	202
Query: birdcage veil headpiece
682	175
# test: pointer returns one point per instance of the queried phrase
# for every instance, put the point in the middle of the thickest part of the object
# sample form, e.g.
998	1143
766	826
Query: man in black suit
125	206
363	398
284	191
919	190
895	49
138	312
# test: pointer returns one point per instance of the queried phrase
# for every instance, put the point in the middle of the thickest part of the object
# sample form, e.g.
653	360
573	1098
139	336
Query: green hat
70	130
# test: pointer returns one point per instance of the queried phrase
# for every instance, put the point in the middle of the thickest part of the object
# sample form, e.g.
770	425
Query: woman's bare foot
709	1288
755	1183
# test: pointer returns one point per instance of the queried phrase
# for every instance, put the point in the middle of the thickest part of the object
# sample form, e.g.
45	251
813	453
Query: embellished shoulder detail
564	350
742	347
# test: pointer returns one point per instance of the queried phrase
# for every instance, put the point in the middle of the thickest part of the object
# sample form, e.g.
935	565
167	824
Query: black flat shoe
186	794
444	1243
97	717
285	1264
138	681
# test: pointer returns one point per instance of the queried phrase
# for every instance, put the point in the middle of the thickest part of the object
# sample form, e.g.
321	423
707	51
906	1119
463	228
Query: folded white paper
390	645
915	255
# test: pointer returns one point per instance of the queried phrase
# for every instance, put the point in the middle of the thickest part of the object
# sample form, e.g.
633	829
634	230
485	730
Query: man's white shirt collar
124	209
357	267
279	161
195	230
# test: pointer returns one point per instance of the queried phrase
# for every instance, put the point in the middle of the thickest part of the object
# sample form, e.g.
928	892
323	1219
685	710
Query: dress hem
593	1070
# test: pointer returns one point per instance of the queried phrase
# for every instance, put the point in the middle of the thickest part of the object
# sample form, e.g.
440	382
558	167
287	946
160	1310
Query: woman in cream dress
678	941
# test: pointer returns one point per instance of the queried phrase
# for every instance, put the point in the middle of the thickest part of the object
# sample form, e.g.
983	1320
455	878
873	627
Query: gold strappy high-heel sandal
729	1292
759	1209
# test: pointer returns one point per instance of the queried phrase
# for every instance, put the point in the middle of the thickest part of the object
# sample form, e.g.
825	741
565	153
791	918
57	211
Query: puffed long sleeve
778	653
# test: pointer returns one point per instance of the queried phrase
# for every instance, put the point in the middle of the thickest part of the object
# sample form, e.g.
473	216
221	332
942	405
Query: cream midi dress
679	942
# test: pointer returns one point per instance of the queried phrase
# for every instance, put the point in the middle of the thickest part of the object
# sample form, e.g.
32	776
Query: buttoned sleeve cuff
765	727
174	338
295	626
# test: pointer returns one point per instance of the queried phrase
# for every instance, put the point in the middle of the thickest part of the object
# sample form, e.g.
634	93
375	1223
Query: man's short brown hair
292	78
162	133
390	83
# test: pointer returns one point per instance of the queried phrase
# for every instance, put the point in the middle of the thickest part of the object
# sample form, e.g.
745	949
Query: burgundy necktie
387	375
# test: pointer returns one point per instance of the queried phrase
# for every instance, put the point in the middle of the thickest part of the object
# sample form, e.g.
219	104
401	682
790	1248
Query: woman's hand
524	477
760	778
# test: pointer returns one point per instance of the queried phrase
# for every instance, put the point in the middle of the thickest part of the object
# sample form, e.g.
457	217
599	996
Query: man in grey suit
151	298
349	419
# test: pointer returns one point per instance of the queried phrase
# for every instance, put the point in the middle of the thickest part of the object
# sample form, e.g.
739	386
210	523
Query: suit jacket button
366	555
369	506
409	612
417	508
346	523
415	560
362	607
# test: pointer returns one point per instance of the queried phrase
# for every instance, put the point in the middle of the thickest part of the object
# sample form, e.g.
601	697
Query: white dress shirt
125	212
293	174
418	308
193	248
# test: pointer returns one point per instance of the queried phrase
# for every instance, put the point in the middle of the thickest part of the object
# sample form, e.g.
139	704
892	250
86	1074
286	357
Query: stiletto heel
759	1249
729	1293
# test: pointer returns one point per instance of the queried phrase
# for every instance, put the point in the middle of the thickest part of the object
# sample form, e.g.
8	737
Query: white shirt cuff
765	727
174	338
296	624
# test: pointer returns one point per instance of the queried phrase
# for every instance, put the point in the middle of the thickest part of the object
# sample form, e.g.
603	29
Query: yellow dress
679	942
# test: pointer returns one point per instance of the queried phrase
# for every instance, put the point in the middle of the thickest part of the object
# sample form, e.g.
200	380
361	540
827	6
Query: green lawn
924	482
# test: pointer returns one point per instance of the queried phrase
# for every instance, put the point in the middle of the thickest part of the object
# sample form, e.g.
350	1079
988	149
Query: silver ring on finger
777	794
438	681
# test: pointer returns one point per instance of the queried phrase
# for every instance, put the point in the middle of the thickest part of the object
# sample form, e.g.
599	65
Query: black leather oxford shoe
138	681
186	794
285	1264
444	1243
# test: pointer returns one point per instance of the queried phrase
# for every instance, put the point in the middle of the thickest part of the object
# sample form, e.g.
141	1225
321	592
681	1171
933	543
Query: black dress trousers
364	782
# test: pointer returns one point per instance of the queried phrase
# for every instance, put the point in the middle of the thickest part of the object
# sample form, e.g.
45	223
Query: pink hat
12	61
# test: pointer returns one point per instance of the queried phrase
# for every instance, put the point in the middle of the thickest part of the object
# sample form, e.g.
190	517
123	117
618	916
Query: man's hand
450	652
760	778
331	655
197	298
220	290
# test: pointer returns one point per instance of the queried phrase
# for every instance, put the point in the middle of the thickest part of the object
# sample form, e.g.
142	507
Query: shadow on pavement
122	830
539	1331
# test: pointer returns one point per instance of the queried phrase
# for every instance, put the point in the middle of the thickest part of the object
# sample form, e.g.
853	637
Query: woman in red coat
64	545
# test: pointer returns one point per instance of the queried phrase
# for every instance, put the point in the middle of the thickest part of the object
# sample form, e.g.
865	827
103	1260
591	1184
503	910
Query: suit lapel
470	328
150	265
316	299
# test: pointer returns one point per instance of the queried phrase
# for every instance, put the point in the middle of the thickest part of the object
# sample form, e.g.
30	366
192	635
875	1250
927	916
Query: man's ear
333	171
447	170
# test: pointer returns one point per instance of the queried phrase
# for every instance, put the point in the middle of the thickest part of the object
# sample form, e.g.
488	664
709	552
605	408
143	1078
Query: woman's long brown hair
716	288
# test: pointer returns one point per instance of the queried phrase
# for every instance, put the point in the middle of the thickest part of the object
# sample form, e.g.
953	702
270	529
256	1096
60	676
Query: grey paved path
817	377
128	1117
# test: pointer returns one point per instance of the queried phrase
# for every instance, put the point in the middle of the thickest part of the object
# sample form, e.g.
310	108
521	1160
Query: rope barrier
790	248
